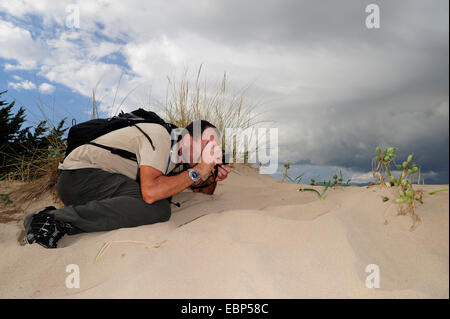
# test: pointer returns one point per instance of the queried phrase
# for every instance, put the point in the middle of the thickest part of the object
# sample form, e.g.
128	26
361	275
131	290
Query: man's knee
164	210
156	212
63	188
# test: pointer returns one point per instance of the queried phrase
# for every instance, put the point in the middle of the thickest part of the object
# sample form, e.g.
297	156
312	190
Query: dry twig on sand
108	244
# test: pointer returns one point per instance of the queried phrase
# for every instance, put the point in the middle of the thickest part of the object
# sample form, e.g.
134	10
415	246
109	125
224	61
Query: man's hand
211	155
211	183
223	171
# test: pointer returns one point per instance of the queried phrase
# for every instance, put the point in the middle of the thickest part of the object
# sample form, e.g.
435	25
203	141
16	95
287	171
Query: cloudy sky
333	87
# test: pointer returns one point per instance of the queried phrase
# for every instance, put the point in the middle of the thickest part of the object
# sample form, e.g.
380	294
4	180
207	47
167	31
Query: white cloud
46	88
17	44
51	11
360	178
24	85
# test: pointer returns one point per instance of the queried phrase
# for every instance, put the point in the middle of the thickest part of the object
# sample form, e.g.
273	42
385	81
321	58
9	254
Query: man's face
190	148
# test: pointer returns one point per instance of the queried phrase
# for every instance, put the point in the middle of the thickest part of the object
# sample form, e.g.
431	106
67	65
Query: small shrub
408	195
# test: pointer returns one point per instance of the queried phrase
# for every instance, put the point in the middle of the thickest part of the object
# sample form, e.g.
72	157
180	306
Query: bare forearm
165	186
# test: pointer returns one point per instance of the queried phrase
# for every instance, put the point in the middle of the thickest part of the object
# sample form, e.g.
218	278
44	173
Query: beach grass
190	98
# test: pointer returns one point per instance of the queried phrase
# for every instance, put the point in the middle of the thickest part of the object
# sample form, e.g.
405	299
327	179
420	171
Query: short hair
203	126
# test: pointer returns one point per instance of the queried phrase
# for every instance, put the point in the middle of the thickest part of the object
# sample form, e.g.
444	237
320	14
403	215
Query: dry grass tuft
37	176
187	101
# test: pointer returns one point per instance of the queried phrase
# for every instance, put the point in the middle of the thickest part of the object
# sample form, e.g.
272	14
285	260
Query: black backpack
85	132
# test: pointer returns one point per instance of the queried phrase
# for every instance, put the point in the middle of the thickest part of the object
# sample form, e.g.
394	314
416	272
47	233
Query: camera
224	162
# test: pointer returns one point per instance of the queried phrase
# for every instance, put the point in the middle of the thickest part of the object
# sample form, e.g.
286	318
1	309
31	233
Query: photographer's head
196	136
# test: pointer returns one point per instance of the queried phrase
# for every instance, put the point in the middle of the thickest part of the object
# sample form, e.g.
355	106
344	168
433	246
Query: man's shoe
42	228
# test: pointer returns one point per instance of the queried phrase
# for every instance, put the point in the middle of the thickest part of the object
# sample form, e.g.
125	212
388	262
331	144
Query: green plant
53	152
320	194
299	178
296	180
439	190
287	166
340	180
383	160
408	169
333	182
408	195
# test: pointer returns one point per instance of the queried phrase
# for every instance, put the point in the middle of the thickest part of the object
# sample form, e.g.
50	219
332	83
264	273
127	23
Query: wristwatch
194	175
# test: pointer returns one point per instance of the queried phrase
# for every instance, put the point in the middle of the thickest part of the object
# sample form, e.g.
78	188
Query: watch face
194	175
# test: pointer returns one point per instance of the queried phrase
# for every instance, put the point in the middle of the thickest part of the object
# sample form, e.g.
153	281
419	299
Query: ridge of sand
255	238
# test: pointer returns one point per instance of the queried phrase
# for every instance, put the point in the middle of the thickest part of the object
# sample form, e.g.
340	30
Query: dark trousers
97	200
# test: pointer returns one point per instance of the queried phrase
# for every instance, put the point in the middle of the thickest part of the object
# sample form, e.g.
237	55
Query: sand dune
255	238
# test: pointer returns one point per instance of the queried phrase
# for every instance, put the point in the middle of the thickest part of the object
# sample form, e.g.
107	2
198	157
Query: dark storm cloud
405	99
312	23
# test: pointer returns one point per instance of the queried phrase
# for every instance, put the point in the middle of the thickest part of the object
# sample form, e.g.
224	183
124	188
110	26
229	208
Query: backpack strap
146	135
123	153
117	151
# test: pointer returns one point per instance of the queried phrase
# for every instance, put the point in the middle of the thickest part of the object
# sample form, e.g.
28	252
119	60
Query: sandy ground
255	238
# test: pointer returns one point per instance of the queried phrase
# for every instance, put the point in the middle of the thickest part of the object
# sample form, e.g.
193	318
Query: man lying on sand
100	189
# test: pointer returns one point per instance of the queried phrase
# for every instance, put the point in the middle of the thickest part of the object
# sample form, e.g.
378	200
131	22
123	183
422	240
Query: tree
22	145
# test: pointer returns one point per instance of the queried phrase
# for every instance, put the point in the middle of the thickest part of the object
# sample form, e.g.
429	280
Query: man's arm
156	186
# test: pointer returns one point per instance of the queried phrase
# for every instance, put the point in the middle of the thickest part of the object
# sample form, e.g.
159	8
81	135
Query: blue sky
334	88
